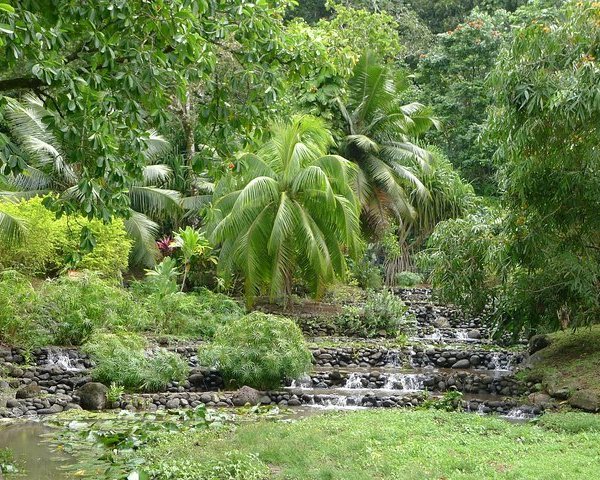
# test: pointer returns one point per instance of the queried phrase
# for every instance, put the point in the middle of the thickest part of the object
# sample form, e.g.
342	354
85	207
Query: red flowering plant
165	245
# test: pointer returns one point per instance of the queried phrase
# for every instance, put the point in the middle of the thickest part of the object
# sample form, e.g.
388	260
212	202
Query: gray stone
92	396
30	391
464	363
12	403
585	400
53	409
560	393
197	379
173	403
246	396
538	342
474	334
540	399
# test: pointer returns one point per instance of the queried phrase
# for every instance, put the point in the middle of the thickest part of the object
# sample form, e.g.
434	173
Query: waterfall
406	382
354	380
61	360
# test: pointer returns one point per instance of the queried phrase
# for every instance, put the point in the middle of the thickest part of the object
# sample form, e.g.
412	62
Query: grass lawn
396	444
572	361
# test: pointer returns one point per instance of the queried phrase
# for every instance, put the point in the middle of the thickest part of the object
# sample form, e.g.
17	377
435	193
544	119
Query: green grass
571	361
398	445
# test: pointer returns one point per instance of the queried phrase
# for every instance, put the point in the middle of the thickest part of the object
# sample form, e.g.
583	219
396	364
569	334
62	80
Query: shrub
408	279
42	249
70	309
366	274
18	304
111	253
259	350
50	241
196	314
121	359
382	315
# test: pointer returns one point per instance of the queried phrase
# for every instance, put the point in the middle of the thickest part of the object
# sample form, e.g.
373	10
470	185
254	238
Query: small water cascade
519	414
61	360
462	335
337	403
354	380
392	358
404	381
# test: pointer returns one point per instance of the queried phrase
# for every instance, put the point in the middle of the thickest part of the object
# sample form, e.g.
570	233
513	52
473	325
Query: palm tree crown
289	211
380	139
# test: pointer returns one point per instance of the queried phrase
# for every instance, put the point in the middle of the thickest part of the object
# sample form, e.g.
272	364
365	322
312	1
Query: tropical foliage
288	210
537	263
259	350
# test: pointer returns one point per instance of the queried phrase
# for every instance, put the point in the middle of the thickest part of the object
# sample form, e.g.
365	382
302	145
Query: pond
38	460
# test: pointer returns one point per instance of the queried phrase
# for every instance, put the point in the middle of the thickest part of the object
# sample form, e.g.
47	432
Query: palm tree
289	210
380	140
47	170
448	197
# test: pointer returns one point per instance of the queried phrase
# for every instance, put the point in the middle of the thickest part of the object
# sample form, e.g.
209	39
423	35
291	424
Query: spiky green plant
288	210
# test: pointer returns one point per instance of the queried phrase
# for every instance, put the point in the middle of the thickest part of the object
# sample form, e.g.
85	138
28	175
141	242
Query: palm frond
12	228
143	232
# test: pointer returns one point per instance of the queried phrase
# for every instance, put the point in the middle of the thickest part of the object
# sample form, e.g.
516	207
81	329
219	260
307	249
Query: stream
32	454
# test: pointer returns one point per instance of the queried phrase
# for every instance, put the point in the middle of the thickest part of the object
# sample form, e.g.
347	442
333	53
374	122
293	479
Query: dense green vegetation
258	350
166	168
392	445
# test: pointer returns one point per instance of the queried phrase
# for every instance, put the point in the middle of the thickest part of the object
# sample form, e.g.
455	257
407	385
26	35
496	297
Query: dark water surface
32	455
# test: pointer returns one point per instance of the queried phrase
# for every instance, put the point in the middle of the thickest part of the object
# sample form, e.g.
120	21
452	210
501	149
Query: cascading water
354	380
62	360
405	382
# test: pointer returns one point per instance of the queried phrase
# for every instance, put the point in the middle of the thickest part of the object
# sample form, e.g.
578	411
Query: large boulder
585	400
464	363
92	396
246	396
30	391
538	342
540	399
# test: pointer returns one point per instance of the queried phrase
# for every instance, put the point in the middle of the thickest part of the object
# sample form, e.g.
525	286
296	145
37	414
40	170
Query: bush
121	359
408	279
196	314
259	350
383	315
50	241
366	274
41	251
70	309
18	304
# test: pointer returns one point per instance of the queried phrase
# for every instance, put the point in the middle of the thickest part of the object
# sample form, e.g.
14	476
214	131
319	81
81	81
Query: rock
585	400
540	399
464	363
441	322
474	334
475	360
92	396
538	342
173	403
72	406
30	391
53	409
246	396
197	380
12	403
560	393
